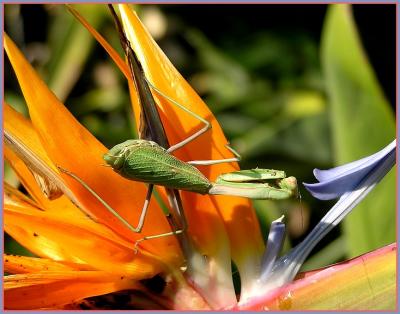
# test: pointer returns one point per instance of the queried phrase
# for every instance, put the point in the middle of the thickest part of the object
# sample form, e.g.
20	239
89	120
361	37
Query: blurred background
260	68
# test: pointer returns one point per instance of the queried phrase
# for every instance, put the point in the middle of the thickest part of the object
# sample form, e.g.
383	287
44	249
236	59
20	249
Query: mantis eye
115	160
290	184
116	156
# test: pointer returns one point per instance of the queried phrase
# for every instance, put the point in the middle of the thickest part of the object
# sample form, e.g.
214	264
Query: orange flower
94	256
86	255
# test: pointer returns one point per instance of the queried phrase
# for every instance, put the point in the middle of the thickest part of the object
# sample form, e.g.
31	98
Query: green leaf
362	123
302	115
71	45
334	251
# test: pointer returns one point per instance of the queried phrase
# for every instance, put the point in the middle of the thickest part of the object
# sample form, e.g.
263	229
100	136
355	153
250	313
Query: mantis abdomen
146	161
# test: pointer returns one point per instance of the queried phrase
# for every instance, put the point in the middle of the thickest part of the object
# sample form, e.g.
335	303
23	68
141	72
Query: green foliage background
291	86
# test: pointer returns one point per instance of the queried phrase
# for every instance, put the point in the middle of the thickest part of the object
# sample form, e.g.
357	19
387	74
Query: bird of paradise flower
86	255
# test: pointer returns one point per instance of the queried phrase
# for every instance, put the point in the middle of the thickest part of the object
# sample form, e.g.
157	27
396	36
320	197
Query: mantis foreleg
206	127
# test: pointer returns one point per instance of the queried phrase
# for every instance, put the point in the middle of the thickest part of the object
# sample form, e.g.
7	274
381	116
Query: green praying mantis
147	160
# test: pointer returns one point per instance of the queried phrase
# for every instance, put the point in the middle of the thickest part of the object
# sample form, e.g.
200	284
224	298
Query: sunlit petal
57	288
123	67
205	225
75	149
14	264
21	129
50	235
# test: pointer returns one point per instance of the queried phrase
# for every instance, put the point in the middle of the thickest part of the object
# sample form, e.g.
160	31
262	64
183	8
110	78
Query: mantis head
289	184
116	156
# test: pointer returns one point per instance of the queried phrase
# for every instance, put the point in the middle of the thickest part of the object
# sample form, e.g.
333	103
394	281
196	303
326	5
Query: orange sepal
123	67
57	288
69	145
22	129
12	196
48	235
208	239
240	220
62	205
14	264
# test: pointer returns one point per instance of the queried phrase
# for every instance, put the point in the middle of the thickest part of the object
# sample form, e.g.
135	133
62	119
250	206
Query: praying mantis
146	161
149	160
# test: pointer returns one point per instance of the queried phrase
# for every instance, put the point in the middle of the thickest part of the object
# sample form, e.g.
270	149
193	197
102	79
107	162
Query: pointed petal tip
334	182
316	173
318	190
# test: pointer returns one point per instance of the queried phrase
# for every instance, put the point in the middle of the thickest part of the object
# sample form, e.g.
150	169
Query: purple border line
186	2
204	1
397	149
2	154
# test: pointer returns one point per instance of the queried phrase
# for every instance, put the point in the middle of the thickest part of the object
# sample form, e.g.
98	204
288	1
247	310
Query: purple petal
286	268
323	175
275	240
337	181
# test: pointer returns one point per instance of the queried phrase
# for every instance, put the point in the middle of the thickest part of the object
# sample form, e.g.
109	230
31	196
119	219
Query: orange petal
22	130
14	264
123	67
16	198
57	288
204	222
49	235
211	222
25	176
62	205
72	147
158	69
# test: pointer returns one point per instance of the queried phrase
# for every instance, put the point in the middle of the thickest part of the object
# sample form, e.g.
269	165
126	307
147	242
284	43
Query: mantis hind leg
143	213
157	236
172	223
237	158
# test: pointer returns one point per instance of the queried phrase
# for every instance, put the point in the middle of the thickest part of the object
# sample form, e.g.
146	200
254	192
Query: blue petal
286	268
337	181
274	245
